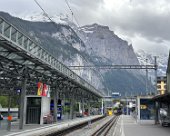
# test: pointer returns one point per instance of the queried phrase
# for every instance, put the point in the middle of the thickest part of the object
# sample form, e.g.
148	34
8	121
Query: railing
25	43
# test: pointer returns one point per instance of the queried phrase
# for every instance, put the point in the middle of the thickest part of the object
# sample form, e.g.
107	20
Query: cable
46	14
75	20
73	16
69	8
43	11
72	13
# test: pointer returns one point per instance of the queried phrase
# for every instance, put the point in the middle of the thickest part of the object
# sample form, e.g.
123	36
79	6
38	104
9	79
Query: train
111	111
117	111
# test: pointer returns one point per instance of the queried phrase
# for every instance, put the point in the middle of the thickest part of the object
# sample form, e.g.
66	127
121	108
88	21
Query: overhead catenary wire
88	41
75	19
72	13
43	11
69	8
67	3
46	14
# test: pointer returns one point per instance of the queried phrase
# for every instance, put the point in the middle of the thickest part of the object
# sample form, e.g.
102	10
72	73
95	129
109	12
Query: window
159	86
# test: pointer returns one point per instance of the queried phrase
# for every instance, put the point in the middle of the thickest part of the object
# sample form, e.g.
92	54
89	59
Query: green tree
4	101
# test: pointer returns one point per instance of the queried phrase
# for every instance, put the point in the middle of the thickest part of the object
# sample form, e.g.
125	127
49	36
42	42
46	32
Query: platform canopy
22	57
165	98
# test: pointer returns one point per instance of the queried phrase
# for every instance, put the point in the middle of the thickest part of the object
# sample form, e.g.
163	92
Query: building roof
168	67
165	98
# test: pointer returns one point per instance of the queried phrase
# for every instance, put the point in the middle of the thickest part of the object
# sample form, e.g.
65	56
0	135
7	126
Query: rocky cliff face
100	41
88	45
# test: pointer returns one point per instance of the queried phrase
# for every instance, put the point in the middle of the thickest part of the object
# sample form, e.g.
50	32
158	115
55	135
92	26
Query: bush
4	101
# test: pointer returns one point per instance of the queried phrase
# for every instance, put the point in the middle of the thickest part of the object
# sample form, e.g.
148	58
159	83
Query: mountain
102	42
162	61
88	45
42	17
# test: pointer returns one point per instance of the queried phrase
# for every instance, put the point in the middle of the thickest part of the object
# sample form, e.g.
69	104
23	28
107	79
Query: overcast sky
144	23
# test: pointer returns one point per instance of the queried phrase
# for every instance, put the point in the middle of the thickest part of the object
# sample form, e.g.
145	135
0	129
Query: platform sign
116	94
143	107
59	109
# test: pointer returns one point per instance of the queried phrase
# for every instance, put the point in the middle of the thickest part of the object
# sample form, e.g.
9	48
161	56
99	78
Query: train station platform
127	126
36	130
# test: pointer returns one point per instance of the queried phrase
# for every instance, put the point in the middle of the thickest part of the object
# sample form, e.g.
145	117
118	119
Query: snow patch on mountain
162	61
101	41
42	17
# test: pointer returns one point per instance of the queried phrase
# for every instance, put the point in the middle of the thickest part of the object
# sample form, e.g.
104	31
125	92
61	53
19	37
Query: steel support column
9	107
22	104
55	104
156	103
83	107
168	108
102	109
127	108
71	107
156	113
89	108
63	103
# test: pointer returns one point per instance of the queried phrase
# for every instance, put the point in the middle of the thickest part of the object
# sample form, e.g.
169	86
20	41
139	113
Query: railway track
105	129
102	130
73	128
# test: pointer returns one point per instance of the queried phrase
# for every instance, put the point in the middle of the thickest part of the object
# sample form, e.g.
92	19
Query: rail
104	130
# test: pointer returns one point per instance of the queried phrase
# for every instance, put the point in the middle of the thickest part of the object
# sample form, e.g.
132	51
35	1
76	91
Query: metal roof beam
18	41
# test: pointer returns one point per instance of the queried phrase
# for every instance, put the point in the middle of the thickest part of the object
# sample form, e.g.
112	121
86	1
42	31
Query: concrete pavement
127	126
36	130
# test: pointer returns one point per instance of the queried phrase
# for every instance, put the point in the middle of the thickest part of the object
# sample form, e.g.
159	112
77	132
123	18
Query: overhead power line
43	10
72	13
69	7
46	14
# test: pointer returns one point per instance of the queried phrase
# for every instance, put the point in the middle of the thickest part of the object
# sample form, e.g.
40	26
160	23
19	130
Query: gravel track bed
88	130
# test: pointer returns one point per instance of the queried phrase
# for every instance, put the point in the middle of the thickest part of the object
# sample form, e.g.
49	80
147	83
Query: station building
163	96
162	84
145	108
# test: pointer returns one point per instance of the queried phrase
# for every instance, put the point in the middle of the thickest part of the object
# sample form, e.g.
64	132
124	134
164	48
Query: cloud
86	3
150	46
149	19
17	7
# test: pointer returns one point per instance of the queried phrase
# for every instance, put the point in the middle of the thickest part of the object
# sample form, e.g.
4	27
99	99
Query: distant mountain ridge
162	61
88	45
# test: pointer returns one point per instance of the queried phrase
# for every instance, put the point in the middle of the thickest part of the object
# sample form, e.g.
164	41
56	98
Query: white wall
45	107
